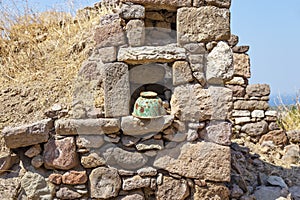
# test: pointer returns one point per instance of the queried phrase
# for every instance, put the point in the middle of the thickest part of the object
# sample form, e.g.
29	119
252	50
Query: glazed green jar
148	106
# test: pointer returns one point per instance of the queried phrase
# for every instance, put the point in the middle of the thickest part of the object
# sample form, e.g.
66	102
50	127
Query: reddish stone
278	137
60	154
55	178
74	177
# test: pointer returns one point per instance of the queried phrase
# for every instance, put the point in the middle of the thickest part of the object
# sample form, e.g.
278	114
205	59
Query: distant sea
277	100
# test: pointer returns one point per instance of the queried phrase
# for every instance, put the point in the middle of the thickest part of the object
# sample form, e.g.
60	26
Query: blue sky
270	27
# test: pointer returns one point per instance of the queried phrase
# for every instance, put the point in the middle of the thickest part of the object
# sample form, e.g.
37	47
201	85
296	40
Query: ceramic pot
148	106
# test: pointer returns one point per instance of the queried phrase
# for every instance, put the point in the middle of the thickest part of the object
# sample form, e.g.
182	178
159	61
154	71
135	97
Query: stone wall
183	51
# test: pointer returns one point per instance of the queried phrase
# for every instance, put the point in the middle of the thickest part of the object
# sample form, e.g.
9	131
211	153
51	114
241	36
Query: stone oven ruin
184	51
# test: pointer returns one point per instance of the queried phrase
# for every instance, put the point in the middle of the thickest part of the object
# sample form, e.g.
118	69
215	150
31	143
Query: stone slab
86	126
149	54
161	4
27	135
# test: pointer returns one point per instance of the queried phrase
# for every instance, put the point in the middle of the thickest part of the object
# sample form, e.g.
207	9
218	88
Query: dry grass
289	115
44	47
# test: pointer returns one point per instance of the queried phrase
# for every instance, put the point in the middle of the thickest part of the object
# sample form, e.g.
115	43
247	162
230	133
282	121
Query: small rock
278	137
37	161
277	181
172	189
66	193
267	193
295	191
33	151
192	135
129	141
55	178
294	136
92	160
89	141
74	177
147	171
291	154
136	182
240	49
236	191
150	145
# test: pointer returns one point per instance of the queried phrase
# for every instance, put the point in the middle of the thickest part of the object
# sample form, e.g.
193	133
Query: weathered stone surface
181	73
135	182
240	49
217	132
294	136
221	101
37	161
105	54
55	178
278	137
250	105
276	181
295	191
135	126
258	90
60	154
211	191
9	188
192	135
104	183
27	135
237	81
135	30
241	65
147	74
133	196
218	3
74	177
255	129
132	11
6	161
150	145
219	64
237	90
202	160
195	48
36	187
236	191
86	126
89	141
92	160
191	103
33	151
233	41
129	141
172	189
203	24
258	113
116	90
67	193
267	193
147	171
242	120
148	54
123	159
162	4
110	33
241	113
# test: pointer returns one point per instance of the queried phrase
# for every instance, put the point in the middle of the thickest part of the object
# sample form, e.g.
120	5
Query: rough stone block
27	135
255	129
241	113
220	63
147	74
258	90
242	120
135	182
195	48
222	102
106	54
191	103
172	189
258	114
217	132
203	24
116	90
212	190
240	49
86	126
233	41
162	4
66	158
104	183
135	126
241	65
148	54
218	3
237	90
197	160
278	137
109	33
250	105
237	81
181	73
132	11
135	30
